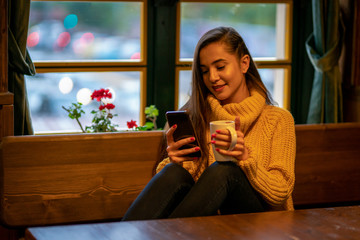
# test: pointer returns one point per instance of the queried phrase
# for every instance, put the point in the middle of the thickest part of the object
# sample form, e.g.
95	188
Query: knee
225	171
175	174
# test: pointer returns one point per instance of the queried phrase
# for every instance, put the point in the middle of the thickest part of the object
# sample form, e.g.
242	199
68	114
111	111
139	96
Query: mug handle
233	138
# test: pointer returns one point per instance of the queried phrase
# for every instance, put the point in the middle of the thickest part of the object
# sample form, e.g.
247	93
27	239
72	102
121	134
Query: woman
226	86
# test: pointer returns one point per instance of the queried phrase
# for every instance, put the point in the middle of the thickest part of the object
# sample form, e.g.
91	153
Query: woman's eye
221	67
204	71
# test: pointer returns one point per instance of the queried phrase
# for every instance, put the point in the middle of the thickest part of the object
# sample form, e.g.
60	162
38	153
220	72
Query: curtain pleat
20	63
324	49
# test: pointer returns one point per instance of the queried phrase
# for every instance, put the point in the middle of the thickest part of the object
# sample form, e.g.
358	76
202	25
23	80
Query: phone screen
184	129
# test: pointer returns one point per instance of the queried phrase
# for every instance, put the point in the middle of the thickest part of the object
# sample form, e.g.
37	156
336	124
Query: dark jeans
173	193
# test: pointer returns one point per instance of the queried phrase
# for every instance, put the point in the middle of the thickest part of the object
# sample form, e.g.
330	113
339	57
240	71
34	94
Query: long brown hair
197	106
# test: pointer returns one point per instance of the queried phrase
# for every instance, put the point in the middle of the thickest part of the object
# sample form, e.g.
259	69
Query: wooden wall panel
357	44
350	60
6	120
6	98
3	47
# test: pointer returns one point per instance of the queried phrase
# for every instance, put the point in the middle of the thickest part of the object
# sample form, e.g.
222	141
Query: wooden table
325	223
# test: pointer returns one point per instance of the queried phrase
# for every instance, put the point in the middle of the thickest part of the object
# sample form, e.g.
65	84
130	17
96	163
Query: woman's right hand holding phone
175	154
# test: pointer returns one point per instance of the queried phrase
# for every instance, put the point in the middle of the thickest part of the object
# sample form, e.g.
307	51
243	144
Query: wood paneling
6	120
327	166
3	47
350	60
72	178
356	42
6	98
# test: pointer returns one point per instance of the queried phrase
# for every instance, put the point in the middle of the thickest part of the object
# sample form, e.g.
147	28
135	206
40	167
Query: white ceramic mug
230	126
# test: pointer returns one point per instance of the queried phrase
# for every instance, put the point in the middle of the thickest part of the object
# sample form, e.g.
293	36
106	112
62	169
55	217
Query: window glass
262	25
61	30
272	78
274	82
48	92
184	87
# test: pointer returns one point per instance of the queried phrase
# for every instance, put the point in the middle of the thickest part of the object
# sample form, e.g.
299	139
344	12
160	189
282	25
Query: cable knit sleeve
162	164
271	168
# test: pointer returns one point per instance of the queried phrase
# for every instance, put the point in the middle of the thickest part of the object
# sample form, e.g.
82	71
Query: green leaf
141	128
149	125
151	111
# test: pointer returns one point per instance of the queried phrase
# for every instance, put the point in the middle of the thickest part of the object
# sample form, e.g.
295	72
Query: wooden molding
6	98
6	121
356	42
3	46
350	60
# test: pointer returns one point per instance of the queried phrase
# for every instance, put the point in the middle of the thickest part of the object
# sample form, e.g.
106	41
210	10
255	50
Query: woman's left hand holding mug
239	152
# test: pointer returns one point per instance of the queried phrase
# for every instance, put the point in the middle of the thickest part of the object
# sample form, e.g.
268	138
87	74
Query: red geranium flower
109	106
99	94
132	124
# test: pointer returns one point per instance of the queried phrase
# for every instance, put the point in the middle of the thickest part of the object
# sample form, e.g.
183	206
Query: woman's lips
218	88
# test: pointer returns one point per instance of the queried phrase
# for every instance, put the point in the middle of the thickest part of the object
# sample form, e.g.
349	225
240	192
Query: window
142	50
78	47
264	26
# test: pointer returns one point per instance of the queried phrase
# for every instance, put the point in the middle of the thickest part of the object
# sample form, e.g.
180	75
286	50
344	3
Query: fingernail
217	149
213	141
197	149
192	139
174	126
213	135
218	131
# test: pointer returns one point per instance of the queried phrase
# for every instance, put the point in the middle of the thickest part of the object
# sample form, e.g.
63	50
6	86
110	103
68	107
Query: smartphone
184	129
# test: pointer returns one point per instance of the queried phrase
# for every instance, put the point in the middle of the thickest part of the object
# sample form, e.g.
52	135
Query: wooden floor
321	223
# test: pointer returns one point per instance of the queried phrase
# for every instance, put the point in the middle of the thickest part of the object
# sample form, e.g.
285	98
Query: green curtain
19	64
324	48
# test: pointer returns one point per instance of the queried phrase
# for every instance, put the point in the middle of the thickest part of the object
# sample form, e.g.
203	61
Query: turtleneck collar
248	110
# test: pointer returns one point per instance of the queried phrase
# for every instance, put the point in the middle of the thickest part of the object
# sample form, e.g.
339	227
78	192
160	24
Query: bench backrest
95	177
74	178
327	165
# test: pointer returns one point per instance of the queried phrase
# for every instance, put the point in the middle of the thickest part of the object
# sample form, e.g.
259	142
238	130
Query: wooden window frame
108	65
284	64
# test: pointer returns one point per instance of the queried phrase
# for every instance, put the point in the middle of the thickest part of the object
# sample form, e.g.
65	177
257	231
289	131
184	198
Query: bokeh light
33	39
83	43
70	21
87	38
84	96
135	56
63	39
66	85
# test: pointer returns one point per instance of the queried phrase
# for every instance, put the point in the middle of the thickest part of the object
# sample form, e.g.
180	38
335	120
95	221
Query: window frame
105	63
160	26
284	64
57	66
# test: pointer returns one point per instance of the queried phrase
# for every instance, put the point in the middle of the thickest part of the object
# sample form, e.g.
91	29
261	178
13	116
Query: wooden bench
327	165
58	179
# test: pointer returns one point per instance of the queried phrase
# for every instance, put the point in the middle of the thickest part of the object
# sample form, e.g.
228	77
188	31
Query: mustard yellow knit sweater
270	140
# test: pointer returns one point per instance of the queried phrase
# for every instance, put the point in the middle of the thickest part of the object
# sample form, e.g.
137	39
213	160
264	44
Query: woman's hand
222	138
176	155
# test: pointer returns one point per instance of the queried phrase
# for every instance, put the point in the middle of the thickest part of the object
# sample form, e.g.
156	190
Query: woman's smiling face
223	73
